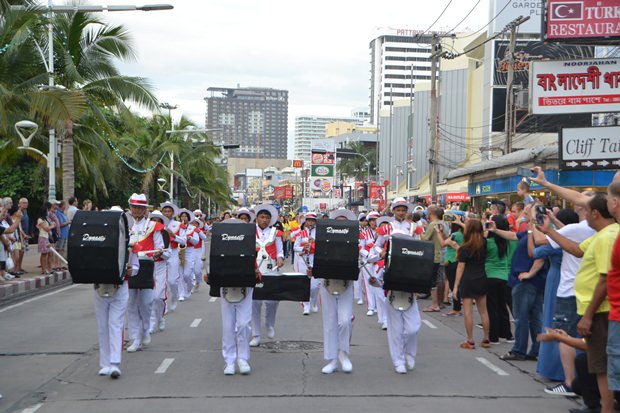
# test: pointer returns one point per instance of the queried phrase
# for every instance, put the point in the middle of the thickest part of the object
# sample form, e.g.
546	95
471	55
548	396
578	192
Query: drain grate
290	346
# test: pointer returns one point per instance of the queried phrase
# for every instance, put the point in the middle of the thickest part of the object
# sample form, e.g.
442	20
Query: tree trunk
68	162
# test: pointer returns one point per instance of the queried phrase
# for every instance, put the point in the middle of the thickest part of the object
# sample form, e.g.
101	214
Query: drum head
123	243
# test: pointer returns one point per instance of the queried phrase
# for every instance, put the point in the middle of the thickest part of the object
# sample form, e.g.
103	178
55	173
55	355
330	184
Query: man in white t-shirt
72	208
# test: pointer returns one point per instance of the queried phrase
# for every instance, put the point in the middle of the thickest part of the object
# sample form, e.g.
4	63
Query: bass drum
97	247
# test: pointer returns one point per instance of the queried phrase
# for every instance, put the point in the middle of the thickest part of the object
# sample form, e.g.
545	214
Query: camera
540	211
449	217
487	225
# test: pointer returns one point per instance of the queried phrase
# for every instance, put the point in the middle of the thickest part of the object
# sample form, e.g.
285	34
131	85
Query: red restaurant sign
377	197
582	19
283	192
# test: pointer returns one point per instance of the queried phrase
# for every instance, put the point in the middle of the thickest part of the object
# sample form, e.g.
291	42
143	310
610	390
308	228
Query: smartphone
540	211
487	225
525	172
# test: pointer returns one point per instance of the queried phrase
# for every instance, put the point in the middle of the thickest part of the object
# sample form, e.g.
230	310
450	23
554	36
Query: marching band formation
166	264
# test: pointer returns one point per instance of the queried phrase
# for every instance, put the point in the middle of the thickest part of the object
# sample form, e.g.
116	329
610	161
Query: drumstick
143	253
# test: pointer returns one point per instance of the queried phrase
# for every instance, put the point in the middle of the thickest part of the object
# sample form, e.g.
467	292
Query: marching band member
199	253
270	257
188	255
110	310
337	303
358	286
245	215
374	294
177	241
236	310
404	321
304	260
161	281
145	235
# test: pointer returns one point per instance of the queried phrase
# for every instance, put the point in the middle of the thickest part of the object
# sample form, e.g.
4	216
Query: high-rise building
399	58
254	118
308	128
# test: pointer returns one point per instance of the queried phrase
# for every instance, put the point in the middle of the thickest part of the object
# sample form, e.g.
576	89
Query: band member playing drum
269	258
161	281
337	310
187	255
177	241
110	310
304	248
375	296
403	316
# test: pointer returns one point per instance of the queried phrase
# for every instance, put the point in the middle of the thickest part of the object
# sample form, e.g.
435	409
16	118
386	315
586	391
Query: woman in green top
497	267
452	243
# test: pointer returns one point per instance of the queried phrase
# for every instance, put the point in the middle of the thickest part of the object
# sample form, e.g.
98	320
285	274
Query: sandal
468	345
485	344
453	314
431	310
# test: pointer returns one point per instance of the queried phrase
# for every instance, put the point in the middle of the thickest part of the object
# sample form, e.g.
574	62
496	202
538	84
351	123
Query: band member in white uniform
269	258
236	309
199	251
145	235
187	263
337	310
374	293
177	240
403	321
160	293
358	286
304	249
110	310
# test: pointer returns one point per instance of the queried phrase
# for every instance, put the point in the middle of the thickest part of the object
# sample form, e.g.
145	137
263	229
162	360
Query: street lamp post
170	107
161	184
49	63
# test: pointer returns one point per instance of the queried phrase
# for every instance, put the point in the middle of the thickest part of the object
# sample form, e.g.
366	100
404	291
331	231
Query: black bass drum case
409	265
233	255
97	247
336	250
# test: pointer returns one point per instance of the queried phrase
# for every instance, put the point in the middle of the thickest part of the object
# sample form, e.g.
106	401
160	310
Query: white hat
54	202
400	201
341	212
384	219
198	213
310	215
174	207
267	208
116	208
418	208
373	215
242	211
361	216
158	214
138	200
189	213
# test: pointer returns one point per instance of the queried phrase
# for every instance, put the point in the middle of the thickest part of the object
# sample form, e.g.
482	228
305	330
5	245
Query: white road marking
164	366
38	297
492	366
33	408
195	323
212	299
428	323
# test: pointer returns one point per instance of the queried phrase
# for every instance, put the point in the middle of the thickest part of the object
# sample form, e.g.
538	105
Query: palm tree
356	166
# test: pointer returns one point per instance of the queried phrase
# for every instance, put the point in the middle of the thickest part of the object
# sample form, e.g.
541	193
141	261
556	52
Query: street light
49	63
170	107
161	184
26	127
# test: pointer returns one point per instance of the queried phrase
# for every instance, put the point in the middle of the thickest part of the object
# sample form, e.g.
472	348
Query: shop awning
515	158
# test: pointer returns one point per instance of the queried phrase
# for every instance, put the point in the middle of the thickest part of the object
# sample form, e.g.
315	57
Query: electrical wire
436	20
466	16
486	25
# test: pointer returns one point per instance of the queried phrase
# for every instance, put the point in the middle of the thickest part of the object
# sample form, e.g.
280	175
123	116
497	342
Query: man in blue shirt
61	244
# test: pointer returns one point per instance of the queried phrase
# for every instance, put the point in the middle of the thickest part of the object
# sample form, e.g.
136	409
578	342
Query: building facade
308	128
399	58
256	119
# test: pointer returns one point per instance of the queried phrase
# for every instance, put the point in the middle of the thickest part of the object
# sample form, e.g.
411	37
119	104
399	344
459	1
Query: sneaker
229	370
384	326
306	311
135	346
370	313
561	390
244	367
512	356
162	325
315	308
115	372
509	340
181	299
105	371
329	368
410	362
255	342
146	340
271	332
345	363
400	369
360	302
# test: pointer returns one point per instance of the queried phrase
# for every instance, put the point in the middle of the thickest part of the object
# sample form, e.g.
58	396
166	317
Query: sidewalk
33	280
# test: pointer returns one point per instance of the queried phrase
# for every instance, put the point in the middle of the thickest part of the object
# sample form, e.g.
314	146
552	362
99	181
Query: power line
486	25
466	16
436	20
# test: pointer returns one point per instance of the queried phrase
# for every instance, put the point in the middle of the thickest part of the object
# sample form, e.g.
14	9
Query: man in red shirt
613	294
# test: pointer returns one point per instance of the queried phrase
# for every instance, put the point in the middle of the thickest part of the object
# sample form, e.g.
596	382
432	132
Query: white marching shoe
229	370
105	371
135	346
400	369
370	313
331	367
345	363
315	308
244	367
410	362
271	332
115	372
384	326
162	324
360	302
255	342
146	340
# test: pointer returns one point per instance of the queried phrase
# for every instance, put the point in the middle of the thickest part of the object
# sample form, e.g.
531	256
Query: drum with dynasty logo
336	250
233	255
98	247
409	265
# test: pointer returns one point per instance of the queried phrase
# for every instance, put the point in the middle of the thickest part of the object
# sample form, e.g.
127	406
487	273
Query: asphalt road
49	363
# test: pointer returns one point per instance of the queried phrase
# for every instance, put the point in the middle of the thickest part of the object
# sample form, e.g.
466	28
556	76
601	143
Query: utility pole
433	159
510	109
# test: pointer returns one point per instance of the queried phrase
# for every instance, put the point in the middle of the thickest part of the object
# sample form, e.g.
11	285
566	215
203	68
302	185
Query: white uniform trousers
236	320
371	300
301	266
160	294
198	265
358	287
110	313
337	321
188	271
271	307
139	313
403	327
174	277
380	300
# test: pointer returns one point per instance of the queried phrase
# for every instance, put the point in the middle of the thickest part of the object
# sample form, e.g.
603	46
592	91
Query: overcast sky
317	50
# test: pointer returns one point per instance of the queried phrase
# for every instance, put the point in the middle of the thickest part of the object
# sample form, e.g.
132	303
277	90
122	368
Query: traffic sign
386	182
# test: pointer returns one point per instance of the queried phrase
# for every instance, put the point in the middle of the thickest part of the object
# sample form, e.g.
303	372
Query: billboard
321	184
506	12
298	163
323	170
590	148
283	192
575	86
377	197
592	21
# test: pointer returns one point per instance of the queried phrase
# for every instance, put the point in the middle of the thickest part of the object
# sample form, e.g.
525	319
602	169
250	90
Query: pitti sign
586	20
590	148
574	86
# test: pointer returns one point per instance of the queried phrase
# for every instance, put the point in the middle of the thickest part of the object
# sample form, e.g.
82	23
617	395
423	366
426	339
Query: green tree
356	166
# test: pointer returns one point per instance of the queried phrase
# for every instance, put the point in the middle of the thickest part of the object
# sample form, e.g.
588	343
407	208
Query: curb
16	287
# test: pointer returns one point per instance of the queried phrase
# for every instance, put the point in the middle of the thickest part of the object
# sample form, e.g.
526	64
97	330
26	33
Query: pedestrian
87	205
24	235
61	244
435	216
55	233
45	228
452	244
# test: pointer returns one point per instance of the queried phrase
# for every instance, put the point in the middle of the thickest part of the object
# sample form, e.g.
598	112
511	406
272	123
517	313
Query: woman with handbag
45	231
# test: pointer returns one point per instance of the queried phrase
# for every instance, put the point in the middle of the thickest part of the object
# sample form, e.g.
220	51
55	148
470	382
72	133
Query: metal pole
509	89
433	121
51	157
